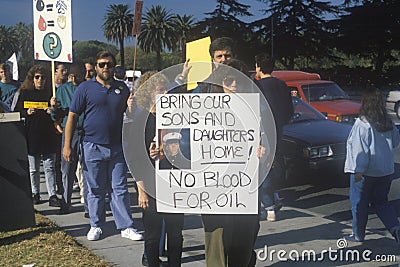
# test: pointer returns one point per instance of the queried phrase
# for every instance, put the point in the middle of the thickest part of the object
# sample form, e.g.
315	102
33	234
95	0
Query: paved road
316	215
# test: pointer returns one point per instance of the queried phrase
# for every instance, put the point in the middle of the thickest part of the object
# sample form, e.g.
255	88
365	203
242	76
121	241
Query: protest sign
197	51
39	105
222	134
52	24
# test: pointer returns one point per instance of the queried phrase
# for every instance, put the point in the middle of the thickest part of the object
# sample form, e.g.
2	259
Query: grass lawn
44	245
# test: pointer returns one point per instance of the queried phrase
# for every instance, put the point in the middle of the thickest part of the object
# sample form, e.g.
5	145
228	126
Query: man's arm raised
68	132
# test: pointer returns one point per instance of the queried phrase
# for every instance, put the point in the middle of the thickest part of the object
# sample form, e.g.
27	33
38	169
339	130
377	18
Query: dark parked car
312	142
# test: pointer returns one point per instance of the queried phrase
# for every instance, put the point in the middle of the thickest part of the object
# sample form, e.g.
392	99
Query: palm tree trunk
158	60
121	51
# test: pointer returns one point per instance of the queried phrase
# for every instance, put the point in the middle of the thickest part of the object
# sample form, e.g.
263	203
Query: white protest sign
219	136
52	24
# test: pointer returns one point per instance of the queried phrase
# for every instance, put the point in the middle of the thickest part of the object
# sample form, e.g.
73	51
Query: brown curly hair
147	84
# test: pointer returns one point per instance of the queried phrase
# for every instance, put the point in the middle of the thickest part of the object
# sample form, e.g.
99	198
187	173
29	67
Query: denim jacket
370	152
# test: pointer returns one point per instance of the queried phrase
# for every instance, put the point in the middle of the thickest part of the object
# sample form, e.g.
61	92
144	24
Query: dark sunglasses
103	64
37	77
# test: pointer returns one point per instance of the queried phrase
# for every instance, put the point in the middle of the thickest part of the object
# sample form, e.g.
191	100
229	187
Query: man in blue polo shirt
103	100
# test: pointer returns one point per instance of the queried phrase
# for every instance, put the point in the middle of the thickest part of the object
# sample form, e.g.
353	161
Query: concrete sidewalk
298	233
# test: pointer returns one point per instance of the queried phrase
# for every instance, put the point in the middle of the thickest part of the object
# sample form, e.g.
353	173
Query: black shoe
54	201
86	215
60	190
144	261
36	199
65	209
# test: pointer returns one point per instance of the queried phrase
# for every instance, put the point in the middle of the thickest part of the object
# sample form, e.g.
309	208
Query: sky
88	15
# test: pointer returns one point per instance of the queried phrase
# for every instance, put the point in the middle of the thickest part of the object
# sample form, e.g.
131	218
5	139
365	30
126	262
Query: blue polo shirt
103	110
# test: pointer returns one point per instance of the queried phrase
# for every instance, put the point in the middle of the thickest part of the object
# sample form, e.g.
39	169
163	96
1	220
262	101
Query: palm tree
157	31
118	25
8	42
25	35
25	49
183	25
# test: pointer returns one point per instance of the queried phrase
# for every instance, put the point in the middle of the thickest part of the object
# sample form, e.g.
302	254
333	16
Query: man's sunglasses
103	64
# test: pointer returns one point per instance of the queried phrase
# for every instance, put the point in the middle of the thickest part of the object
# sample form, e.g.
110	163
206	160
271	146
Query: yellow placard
39	105
197	51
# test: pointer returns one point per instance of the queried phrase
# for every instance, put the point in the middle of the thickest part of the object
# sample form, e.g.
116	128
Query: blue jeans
266	193
68	169
374	191
107	172
49	172
267	188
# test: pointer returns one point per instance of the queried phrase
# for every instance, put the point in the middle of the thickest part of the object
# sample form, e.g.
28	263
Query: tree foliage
9	42
295	28
225	20
86	51
157	32
371	30
183	26
343	42
118	25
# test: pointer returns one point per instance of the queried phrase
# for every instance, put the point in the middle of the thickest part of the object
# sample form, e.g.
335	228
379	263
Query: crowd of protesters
82	126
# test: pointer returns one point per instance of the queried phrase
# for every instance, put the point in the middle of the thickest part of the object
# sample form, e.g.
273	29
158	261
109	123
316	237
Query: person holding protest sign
59	112
218	228
103	100
32	101
222	51
60	78
146	92
230	238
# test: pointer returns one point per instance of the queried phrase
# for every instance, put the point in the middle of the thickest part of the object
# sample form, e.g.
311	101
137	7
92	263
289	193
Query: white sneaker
132	234
271	217
94	233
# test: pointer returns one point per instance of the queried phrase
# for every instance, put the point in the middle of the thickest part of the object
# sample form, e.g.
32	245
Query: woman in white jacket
369	161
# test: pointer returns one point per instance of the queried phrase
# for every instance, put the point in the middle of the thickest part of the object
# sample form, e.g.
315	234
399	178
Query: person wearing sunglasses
41	135
103	100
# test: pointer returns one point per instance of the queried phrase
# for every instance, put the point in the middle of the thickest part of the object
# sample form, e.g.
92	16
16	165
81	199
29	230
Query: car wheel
397	109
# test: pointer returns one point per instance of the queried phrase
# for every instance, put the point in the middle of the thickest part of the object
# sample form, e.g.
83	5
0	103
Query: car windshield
323	92
304	112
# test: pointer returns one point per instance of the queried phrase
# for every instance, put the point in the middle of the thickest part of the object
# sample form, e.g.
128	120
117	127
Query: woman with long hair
142	143
41	133
369	160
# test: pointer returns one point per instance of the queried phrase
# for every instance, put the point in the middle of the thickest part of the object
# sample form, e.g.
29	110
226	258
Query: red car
325	96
